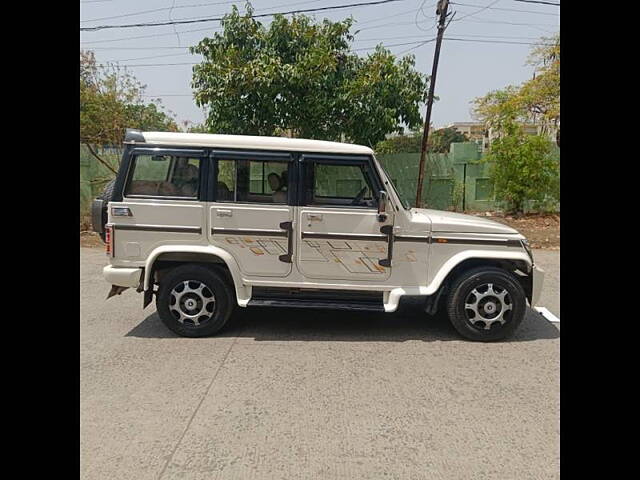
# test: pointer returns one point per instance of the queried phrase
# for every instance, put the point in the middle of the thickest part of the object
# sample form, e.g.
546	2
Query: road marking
547	314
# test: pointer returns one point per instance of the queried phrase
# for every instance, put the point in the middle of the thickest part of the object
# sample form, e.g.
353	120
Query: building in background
478	133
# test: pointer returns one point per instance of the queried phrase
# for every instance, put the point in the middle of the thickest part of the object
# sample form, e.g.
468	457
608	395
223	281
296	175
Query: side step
326	304
327	299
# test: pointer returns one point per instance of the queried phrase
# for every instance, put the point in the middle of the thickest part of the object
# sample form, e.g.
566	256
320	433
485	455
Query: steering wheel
358	198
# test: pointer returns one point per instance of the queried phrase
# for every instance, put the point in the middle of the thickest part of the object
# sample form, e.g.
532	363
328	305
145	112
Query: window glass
339	184
165	176
226	184
252	181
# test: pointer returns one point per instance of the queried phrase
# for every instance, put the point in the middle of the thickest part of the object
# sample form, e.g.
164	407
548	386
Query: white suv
206	222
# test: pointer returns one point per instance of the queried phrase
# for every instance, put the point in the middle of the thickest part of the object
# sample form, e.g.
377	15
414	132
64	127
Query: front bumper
122	277
536	288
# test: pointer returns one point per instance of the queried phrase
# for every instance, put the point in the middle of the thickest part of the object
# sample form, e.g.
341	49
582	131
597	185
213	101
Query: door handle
224	213
288	227
317	217
388	231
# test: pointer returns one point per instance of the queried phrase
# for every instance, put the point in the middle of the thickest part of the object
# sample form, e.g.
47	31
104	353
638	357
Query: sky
468	68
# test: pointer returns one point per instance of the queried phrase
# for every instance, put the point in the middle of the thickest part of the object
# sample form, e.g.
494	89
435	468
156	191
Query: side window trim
133	153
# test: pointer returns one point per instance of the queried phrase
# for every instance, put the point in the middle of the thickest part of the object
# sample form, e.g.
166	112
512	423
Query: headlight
525	245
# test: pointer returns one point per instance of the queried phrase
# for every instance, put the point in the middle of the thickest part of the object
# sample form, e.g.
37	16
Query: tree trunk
97	157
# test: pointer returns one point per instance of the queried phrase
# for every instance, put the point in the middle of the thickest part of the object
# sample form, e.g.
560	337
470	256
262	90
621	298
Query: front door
250	215
340	235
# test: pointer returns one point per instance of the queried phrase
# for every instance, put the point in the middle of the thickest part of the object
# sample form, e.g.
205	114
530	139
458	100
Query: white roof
252	142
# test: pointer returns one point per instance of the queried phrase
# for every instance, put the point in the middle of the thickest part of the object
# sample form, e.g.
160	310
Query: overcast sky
467	69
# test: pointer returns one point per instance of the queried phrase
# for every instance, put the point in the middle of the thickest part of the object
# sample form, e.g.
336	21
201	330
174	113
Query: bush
525	171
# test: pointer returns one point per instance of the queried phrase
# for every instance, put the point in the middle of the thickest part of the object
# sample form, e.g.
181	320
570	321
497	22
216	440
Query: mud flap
115	290
148	296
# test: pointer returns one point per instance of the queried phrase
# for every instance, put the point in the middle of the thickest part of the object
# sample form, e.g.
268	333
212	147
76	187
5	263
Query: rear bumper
122	277
537	280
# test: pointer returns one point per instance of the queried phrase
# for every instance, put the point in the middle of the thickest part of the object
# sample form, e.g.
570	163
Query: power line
417	44
538	1
217	19
137	37
142	12
403	37
478	11
507	9
503	22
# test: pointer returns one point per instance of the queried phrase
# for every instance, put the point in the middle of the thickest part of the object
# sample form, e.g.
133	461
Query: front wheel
194	301
486	304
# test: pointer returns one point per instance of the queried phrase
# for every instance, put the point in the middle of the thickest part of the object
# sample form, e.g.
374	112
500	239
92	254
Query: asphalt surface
296	394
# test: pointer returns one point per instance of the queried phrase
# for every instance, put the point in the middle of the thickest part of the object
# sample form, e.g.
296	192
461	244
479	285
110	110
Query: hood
442	221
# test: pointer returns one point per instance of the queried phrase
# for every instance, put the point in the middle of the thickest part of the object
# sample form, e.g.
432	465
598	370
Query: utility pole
443	6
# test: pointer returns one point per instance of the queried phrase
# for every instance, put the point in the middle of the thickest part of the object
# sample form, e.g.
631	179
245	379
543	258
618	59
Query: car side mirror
382	206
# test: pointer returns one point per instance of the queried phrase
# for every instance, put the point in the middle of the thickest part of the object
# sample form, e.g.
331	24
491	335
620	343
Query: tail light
108	239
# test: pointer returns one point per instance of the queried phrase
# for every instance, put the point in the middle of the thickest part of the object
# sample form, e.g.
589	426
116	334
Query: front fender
242	292
460	257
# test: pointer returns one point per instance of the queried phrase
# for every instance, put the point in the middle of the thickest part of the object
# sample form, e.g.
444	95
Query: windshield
404	202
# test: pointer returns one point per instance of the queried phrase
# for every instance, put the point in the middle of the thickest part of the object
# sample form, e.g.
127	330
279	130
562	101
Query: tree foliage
110	102
524	169
299	78
439	142
535	101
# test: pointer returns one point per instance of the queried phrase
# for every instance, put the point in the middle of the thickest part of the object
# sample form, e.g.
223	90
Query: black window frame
363	161
256	156
133	153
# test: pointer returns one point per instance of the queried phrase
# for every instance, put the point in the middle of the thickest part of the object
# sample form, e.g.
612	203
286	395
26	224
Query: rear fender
243	293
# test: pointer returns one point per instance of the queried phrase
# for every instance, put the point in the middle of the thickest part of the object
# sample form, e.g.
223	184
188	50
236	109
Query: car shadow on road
289	324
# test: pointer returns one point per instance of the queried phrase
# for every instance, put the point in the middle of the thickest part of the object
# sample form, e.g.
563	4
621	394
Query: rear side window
164	176
252	181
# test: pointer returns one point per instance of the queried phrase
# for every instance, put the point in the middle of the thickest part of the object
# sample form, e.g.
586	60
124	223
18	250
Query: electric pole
443	6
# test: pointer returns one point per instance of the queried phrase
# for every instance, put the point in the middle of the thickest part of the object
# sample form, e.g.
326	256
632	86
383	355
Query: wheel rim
192	303
488	305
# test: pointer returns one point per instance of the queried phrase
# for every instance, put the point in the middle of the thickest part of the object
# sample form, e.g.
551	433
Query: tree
439	142
535	101
300	78
524	169
110	102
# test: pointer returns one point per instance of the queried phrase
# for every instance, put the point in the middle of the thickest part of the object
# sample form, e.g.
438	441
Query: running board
316	303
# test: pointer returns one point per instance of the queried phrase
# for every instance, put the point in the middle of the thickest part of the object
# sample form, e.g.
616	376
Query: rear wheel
486	304
194	301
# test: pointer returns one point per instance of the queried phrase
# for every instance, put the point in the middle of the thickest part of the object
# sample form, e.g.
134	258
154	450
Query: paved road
288	394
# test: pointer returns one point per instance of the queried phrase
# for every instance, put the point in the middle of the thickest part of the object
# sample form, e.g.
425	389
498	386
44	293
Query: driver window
339	185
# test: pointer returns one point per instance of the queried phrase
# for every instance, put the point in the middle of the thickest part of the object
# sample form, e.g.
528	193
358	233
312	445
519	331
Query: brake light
108	239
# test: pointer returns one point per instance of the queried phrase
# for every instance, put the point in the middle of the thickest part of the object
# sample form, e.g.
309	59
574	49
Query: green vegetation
300	78
525	169
535	101
110	102
439	142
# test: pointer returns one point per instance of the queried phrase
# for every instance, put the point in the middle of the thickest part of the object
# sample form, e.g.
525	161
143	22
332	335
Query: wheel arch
166	255
466	260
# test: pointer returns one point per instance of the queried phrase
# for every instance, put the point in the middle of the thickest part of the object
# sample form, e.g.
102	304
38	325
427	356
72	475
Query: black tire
107	196
472	327
223	306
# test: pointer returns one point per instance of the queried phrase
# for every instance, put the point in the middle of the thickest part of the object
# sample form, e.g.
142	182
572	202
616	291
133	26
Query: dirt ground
543	231
90	239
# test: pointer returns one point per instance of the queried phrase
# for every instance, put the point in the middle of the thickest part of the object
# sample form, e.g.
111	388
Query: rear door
339	233
251	215
163	193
